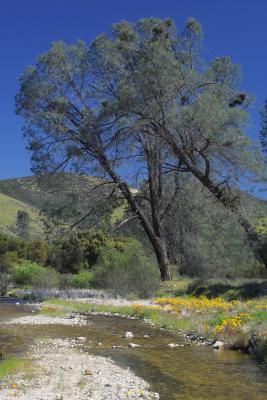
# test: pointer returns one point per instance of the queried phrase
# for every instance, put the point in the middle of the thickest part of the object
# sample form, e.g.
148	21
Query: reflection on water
185	373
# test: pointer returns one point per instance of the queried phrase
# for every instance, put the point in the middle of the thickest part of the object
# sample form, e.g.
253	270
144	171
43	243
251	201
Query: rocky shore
61	370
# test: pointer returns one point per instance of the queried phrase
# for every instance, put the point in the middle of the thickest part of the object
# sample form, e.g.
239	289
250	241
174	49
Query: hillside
66	197
9	208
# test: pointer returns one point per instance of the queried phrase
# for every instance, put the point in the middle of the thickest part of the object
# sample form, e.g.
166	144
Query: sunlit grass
12	366
53	311
213	318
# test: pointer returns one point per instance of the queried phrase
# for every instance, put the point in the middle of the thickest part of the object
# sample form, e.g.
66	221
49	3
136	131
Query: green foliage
14	365
28	273
5	280
220	246
12	244
47	278
200	128
127	271
37	251
228	289
25	272
82	280
259	316
263	131
23	224
79	251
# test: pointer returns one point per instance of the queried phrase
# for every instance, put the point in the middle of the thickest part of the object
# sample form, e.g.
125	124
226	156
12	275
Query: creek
186	373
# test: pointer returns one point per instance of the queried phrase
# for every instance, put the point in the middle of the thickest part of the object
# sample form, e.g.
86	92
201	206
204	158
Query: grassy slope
75	189
66	190
28	190
8	212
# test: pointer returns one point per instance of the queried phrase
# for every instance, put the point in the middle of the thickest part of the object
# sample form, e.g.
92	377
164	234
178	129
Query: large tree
134	106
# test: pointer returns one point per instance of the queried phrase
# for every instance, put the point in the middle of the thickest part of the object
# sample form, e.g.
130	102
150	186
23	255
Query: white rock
172	345
134	345
146	336
218	345
128	335
81	338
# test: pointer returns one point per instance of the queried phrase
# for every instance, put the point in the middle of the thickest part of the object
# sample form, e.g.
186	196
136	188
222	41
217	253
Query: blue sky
236	28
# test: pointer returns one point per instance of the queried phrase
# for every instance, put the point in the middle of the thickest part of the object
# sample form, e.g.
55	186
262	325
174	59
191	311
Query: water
186	373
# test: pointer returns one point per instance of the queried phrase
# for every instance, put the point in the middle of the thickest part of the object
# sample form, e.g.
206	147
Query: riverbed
184	372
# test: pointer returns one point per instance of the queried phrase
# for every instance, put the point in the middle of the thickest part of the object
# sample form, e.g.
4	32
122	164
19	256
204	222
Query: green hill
67	197
9	208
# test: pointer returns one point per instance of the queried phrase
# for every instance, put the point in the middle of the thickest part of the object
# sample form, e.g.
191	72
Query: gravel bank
115	302
45	320
62	371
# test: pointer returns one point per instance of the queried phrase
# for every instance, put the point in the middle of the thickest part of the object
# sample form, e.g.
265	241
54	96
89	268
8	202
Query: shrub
79	251
5	280
12	244
24	272
82	280
65	281
48	278
37	252
127	271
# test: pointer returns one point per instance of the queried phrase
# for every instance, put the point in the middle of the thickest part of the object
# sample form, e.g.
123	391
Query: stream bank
181	373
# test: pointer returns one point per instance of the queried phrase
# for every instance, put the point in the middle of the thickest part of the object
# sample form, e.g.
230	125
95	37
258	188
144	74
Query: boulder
218	345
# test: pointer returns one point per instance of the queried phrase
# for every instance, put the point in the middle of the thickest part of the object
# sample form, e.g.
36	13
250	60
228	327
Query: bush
5	280
24	272
37	252
82	280
12	244
77	252
127	271
65	281
47	278
28	273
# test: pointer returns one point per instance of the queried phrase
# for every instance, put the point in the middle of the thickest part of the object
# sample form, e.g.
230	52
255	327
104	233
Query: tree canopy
138	105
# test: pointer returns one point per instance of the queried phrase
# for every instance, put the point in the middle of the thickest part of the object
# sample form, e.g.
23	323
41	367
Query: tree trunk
163	260
157	240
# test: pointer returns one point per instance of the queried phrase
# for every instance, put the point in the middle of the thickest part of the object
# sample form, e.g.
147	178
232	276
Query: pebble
173	345
128	335
54	361
133	345
88	372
